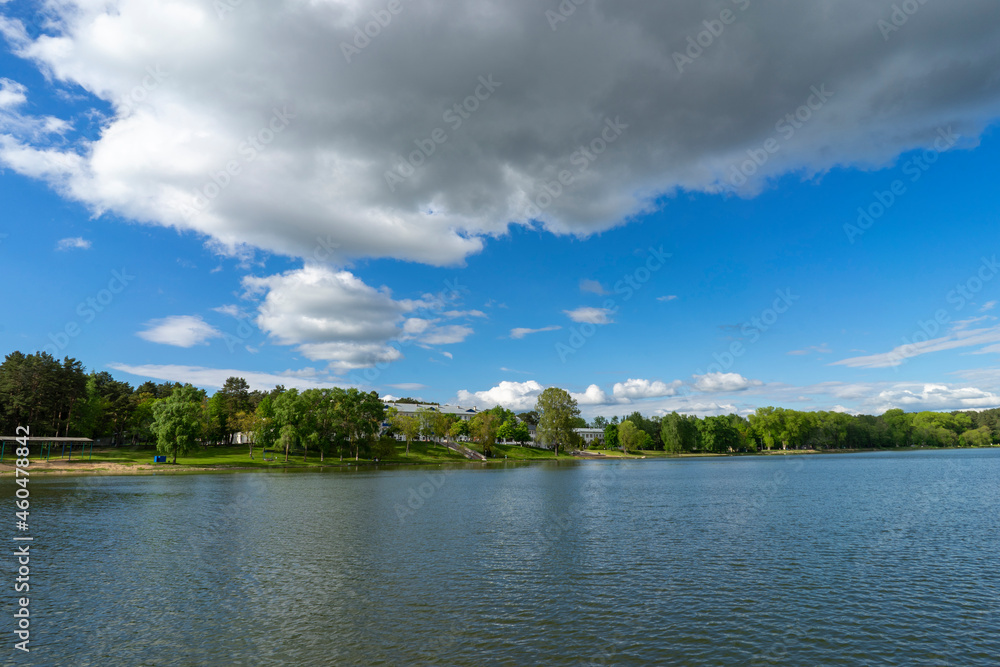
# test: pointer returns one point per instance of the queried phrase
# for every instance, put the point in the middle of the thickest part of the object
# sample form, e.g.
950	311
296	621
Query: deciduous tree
557	411
177	421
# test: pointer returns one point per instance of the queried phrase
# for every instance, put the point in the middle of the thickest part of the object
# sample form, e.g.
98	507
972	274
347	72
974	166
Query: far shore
129	461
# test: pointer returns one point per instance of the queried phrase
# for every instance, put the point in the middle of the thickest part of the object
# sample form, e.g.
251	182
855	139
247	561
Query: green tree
360	416
177	421
286	438
459	428
719	435
522	434
649	426
503	414
679	433
557	411
530	418
266	434
630	436
506	430
484	429
248	423
611	436
980	437
318	422
900	426
289	413
441	425
407	425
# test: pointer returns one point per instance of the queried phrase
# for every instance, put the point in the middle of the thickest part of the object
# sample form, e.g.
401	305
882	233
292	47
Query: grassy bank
124	460
139	460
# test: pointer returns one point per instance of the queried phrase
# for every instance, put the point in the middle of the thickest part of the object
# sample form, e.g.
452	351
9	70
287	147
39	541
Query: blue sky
632	287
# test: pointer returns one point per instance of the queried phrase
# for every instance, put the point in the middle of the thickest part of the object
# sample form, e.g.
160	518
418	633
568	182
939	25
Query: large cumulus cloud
189	89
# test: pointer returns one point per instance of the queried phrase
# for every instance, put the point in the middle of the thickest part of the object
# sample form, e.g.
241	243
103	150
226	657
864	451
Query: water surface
880	559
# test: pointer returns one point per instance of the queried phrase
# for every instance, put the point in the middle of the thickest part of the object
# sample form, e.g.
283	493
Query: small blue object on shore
159	459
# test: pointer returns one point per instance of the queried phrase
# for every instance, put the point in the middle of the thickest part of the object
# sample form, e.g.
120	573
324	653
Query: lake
849	559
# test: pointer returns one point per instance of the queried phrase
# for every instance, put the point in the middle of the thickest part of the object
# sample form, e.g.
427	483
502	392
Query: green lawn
223	458
239	457
518	452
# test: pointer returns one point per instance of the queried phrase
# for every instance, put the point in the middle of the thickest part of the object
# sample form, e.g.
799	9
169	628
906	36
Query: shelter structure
45	444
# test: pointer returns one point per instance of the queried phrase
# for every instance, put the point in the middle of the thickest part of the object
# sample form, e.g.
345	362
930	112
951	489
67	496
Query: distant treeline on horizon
59	398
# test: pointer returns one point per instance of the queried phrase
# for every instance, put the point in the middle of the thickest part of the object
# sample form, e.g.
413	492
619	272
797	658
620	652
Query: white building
412	409
591	436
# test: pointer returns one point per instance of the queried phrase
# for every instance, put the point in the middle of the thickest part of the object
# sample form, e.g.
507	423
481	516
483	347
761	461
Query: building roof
446	409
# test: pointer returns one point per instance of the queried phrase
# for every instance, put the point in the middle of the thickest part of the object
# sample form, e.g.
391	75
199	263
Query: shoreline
112	468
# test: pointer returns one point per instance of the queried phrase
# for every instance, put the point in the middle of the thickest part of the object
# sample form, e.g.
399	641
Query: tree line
59	398
779	428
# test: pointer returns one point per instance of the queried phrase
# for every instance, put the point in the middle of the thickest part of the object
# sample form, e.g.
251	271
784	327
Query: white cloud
517	396
408	386
591	315
723	382
958	337
232	310
984	377
914	397
593	287
669	297
12	94
638	389
341	125
446	335
214	378
180	331
989	305
453	314
594	395
428	332
521	332
76	243
819	349
968	322
334	316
